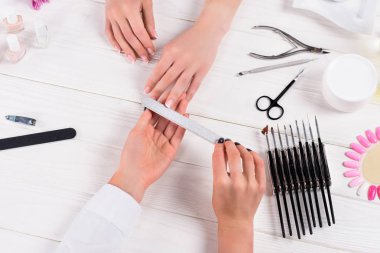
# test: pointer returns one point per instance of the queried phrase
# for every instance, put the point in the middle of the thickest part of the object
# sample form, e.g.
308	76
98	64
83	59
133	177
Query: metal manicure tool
297	46
297	171
21	119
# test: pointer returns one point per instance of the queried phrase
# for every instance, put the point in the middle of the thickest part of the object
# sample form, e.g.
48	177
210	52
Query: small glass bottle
42	36
13	22
16	51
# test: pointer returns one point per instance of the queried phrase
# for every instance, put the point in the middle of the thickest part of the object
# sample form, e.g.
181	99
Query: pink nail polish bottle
15	51
13	22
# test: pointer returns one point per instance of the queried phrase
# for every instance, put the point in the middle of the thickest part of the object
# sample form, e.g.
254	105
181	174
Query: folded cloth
353	15
37	3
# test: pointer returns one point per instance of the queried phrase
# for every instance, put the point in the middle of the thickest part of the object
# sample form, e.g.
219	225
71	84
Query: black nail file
37	138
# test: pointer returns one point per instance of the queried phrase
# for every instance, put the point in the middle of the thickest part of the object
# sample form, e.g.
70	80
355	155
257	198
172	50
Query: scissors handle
271	104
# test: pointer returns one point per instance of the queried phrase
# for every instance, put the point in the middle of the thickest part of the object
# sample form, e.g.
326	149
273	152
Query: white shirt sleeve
103	223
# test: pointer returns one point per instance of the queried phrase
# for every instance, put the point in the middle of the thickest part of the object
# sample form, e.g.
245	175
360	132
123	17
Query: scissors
297	45
271	106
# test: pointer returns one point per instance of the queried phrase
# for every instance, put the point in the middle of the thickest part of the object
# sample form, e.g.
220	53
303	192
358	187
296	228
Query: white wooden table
81	82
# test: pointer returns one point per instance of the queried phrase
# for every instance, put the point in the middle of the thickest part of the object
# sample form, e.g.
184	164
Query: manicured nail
351	173
372	192
371	136
353	155
351	164
169	103
355	182
358	148
147	89
155	34
221	140
144	58
378	191
249	149
130	58
237	143
151	51
228	139
362	140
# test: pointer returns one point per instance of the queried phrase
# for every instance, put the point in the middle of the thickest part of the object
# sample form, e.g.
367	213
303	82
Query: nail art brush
276	185
288	181
301	179
318	171
306	174
312	174
325	170
281	179
294	175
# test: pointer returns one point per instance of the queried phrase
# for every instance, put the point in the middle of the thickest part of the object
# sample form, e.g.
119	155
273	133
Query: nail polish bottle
13	22
15	51
42	37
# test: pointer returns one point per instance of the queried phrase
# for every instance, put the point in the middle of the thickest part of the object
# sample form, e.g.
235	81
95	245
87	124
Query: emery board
180	120
37	138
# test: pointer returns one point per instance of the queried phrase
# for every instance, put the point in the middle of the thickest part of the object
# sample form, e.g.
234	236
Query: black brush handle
314	180
37	138
289	183
318	170
307	180
283	188
302	186
326	174
276	186
296	187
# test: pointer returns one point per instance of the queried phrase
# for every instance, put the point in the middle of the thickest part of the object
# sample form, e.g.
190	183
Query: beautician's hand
186	60
130	27
237	195
150	148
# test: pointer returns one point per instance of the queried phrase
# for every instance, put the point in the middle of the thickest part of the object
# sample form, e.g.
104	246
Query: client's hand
150	148
236	194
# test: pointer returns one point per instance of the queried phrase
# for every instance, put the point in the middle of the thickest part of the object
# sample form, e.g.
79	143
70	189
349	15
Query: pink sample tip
378	191
353	155
351	173
362	140
370	136
351	164
371	192
355	182
378	133
358	148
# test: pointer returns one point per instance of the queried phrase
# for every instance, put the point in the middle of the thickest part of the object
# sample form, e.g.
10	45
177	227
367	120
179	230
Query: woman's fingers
168	79
149	19
141	33
127	50
248	162
219	162
179	88
158	72
259	170
130	37
234	160
111	37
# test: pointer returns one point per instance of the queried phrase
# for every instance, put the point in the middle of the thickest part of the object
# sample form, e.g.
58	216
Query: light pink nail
355	182
169	103
358	148
130	58
151	51
144	58
351	164
353	155
371	192
378	133
147	89
371	136
351	173
378	191
362	140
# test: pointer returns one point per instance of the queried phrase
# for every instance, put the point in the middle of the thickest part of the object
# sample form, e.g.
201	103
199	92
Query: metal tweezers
293	41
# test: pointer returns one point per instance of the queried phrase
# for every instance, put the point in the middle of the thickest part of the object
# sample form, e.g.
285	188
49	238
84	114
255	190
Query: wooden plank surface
42	188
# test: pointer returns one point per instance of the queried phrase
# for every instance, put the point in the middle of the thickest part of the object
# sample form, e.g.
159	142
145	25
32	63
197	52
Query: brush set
299	173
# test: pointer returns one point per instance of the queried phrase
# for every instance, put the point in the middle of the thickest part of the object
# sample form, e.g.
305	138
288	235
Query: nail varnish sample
41	32
15	51
13	22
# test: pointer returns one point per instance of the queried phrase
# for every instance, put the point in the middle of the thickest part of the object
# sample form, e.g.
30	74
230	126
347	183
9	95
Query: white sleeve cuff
116	206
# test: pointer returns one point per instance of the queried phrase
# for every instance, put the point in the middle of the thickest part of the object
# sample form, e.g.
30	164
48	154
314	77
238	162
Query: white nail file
180	120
